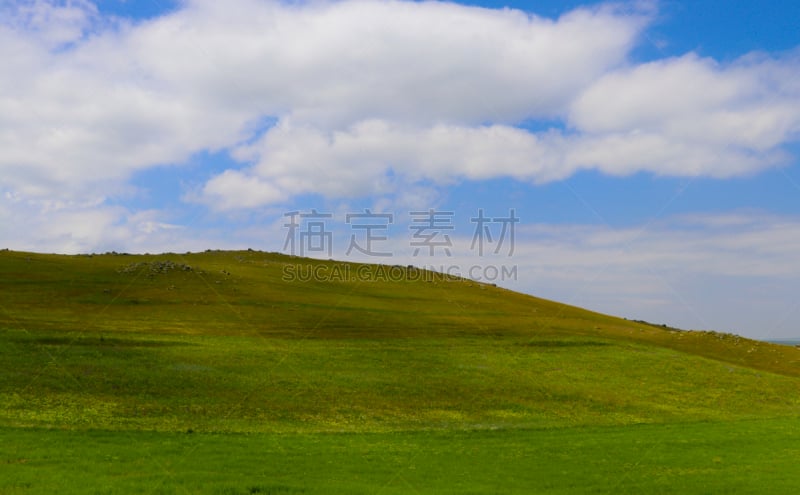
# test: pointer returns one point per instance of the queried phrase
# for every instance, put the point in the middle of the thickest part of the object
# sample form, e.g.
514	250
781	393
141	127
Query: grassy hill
231	343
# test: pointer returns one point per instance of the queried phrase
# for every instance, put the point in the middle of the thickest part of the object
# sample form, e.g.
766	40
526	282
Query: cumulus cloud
684	116
89	101
377	157
690	116
335	63
369	97
234	189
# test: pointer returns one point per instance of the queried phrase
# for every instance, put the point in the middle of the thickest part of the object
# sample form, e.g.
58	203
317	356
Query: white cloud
53	23
378	157
88	101
74	227
741	245
234	189
335	63
690	116
370	97
735	272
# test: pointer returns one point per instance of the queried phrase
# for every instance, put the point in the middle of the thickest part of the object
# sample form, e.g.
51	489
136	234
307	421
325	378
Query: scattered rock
155	267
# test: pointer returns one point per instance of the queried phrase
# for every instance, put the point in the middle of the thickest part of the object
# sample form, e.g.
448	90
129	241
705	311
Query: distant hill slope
249	338
268	294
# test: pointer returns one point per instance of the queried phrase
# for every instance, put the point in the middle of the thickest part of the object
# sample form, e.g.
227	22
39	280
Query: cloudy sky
648	151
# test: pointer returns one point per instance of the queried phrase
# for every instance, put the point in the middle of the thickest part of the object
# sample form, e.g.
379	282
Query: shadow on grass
101	342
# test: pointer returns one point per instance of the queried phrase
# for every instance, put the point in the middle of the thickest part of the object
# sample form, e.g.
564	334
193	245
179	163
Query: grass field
214	373
720	457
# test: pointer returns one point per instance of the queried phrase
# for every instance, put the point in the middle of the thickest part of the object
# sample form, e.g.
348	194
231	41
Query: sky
637	158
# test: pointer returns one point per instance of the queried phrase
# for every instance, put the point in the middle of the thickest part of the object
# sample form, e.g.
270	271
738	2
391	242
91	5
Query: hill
251	341
249	372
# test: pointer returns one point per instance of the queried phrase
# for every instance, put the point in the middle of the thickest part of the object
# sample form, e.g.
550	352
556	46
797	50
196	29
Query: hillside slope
252	341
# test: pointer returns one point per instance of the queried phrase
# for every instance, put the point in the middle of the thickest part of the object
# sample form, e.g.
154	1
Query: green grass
729	457
424	385
245	384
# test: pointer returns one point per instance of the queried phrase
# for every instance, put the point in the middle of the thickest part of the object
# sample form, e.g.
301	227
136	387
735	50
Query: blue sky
649	148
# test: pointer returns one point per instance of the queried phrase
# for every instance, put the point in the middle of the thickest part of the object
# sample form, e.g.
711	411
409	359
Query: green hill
232	341
302	376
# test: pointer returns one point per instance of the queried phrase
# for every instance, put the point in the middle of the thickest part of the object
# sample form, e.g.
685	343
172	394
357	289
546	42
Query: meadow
214	373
